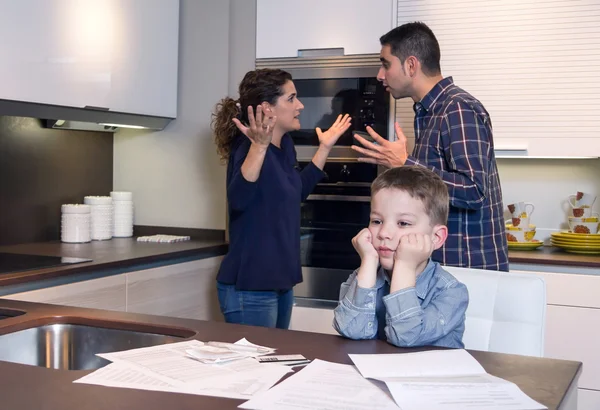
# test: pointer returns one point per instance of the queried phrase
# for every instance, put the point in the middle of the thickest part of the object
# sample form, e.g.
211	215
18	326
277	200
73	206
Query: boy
398	293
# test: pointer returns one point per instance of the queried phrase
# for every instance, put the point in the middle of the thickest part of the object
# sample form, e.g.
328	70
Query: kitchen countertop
550	255
547	381
123	253
111	254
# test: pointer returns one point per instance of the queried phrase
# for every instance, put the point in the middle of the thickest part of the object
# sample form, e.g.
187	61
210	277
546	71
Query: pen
239	348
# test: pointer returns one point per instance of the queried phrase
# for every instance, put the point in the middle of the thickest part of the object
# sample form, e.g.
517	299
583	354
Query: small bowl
520	236
584	227
511	227
573	219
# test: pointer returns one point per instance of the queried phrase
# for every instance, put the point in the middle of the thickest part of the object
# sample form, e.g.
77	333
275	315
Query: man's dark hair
415	39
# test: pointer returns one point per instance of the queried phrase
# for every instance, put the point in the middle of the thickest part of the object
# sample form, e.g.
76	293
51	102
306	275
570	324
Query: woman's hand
260	131
330	137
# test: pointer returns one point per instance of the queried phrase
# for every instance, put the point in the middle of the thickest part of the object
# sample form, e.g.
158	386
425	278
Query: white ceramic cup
582	200
521	209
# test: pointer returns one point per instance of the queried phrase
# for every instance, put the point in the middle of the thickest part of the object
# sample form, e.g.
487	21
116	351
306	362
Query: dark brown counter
31	387
111	254
549	255
127	253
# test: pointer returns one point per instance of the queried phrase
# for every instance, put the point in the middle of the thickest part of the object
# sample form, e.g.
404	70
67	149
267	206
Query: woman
265	189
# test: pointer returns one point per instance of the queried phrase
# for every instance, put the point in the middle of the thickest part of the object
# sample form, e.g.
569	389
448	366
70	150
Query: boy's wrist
404	276
369	261
367	273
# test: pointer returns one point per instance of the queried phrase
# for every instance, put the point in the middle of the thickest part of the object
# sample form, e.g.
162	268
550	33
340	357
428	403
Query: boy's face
394	213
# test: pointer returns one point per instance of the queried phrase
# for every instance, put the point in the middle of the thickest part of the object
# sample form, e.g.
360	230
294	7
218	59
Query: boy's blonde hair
420	183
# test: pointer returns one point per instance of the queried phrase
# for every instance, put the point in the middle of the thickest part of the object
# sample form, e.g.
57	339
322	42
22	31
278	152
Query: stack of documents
175	368
442	380
325	386
434	380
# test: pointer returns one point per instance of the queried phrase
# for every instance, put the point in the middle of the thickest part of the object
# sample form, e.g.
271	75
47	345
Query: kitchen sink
8	313
73	346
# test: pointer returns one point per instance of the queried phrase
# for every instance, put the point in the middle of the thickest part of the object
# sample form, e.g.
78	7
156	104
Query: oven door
329	85
329	222
337	209
365	99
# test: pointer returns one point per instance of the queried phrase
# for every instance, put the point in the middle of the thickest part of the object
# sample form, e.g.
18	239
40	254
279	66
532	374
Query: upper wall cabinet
283	27
119	55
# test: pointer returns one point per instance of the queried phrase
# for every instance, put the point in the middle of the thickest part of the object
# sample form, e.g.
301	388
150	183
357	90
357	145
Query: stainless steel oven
339	207
333	214
329	86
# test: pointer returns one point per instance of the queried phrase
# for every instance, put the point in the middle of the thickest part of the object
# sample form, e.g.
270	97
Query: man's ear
439	236
412	65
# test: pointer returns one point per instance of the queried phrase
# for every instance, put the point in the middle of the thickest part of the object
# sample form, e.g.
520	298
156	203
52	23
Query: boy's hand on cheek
363	243
367	273
413	249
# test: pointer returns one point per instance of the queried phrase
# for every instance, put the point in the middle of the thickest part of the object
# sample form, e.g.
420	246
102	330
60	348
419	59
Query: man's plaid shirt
453	138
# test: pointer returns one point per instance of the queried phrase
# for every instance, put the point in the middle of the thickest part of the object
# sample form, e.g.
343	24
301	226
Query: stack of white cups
75	223
102	216
122	214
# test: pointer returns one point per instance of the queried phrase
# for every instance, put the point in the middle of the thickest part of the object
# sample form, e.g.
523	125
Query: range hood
87	118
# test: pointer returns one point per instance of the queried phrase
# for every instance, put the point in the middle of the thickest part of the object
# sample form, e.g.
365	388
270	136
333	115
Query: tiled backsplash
547	184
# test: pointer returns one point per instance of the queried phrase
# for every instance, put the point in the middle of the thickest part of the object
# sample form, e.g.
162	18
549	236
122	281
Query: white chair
506	313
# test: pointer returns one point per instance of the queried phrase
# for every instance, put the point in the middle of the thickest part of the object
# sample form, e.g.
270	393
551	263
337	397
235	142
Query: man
453	138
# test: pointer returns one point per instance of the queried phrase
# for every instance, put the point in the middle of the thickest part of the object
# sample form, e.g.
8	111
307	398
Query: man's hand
386	153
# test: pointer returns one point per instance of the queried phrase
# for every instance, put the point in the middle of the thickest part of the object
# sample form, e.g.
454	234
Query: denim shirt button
370	325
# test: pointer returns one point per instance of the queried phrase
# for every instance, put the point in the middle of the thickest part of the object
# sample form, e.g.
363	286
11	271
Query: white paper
456	362
119	375
168	363
241	386
442	380
457	396
245	342
166	368
326	386
214	355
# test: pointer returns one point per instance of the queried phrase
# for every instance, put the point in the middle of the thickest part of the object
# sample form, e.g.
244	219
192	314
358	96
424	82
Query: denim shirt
430	314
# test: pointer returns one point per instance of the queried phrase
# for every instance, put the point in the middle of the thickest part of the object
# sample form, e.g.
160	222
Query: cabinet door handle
92	107
343	198
321	52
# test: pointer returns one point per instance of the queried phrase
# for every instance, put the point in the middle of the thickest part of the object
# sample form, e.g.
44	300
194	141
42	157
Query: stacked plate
581	243
75	223
101	211
525	246
122	214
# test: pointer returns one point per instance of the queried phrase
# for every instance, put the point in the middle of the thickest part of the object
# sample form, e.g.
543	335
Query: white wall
175	174
547	184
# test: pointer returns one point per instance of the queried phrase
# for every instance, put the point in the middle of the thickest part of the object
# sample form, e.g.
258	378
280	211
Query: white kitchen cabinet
574	334
572	331
115	54
588	399
284	26
308	319
107	293
186	290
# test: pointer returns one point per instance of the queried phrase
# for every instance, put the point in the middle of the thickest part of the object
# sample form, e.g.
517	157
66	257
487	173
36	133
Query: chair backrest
506	313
